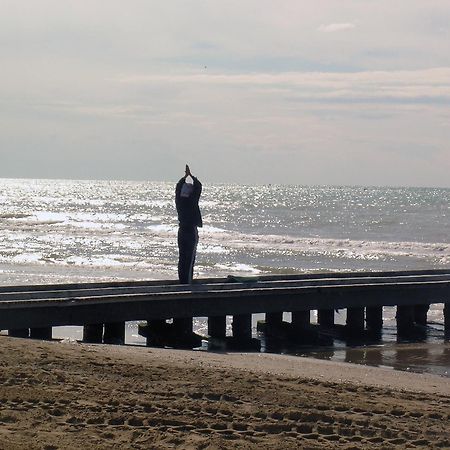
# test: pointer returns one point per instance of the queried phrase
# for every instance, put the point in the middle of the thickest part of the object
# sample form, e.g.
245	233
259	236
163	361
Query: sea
58	231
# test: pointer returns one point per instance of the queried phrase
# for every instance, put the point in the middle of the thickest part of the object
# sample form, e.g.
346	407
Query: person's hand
188	172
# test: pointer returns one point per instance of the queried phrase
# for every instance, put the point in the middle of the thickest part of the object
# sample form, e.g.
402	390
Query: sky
348	92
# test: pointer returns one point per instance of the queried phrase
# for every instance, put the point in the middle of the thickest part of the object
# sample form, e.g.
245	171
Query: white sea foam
210	230
98	226
238	268
34	258
344	247
204	248
163	229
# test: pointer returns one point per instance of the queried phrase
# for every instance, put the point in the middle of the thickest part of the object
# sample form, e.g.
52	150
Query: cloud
401	86
333	27
87	80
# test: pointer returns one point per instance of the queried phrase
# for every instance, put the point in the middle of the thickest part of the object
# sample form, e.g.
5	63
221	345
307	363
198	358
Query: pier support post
447	318
242	327
93	333
420	314
273	323
300	320
374	318
44	333
19	332
405	319
217	327
114	333
156	332
325	317
183	327
355	320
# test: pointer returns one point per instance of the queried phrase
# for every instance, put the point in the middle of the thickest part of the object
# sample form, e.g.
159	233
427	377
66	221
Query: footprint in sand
325	430
136	422
239	426
95	421
7	418
116	421
56	412
74	420
346	431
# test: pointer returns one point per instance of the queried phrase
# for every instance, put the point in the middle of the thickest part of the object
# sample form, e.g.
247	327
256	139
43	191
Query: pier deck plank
169	286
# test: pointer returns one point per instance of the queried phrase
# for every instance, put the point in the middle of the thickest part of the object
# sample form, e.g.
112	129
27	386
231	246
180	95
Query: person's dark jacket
187	207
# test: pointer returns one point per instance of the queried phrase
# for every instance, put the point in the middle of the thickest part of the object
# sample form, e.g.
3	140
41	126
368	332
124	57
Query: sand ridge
63	396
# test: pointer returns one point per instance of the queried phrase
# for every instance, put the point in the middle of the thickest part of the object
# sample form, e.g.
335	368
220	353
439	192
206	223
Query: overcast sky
251	91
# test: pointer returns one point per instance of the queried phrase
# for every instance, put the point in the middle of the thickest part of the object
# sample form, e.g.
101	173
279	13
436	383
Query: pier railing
103	308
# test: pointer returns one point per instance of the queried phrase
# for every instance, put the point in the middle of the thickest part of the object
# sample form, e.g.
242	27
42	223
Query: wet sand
57	395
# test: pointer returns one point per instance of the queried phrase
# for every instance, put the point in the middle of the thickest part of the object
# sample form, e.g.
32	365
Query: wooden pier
103	308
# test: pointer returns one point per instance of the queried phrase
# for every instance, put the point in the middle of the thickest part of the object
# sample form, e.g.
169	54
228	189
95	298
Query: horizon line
370	186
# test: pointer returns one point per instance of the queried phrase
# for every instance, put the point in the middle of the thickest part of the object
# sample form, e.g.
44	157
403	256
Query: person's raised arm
197	188
180	183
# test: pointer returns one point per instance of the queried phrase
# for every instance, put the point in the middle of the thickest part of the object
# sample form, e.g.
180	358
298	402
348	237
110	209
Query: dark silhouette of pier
103	308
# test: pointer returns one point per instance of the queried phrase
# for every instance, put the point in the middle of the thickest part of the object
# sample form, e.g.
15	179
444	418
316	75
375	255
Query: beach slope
56	395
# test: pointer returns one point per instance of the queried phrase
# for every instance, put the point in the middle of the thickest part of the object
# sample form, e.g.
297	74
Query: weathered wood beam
19	332
80	311
420	314
156	332
374	318
217	327
301	320
114	333
447	318
144	283
325	317
183	326
93	333
242	327
216	286
405	319
44	333
355	320
274	321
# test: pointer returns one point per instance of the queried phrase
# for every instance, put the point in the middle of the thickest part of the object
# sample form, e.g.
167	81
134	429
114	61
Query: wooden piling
183	327
217	327
300	320
447	318
325	317
114	333
19	332
374	318
420	314
405	319
93	333
274	322
355	320
242	327
156	332
44	333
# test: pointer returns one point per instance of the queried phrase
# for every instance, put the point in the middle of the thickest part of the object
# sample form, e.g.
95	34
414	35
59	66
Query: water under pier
103	308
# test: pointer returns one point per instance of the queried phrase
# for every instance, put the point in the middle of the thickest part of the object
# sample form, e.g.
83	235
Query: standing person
187	196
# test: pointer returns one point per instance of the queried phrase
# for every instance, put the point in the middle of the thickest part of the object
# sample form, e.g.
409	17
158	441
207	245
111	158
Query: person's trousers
187	247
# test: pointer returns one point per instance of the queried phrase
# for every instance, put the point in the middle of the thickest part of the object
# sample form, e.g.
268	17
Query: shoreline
314	369
71	395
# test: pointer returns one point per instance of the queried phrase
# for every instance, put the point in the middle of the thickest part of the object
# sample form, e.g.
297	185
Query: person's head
186	190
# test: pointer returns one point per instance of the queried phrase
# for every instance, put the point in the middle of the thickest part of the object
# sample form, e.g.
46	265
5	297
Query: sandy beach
66	395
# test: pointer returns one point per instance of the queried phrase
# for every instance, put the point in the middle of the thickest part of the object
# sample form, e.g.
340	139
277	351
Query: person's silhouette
187	196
